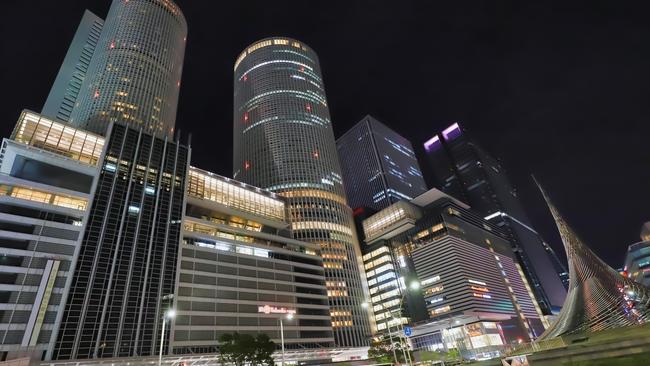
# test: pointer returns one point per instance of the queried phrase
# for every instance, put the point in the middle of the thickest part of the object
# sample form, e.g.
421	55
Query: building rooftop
433	195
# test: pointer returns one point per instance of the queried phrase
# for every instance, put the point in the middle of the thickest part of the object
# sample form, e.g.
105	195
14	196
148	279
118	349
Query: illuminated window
430	280
441	310
44	197
211	187
433	290
35	130
333	265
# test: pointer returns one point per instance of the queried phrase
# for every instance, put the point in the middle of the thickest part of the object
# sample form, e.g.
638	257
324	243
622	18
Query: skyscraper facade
126	267
134	74
67	85
465	171
464	265
379	166
283	142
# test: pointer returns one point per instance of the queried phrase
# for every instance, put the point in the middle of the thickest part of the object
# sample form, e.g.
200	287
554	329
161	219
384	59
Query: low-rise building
241	271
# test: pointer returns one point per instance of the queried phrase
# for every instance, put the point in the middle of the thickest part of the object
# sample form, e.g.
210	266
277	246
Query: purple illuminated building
465	171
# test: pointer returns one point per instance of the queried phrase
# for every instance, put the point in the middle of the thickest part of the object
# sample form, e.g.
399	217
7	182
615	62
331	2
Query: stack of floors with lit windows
469	290
241	270
47	175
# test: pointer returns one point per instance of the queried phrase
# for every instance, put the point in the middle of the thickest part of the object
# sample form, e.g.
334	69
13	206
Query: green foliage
243	349
451	355
382	352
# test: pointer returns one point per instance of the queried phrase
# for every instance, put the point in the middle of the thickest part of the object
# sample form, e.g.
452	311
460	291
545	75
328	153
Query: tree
243	349
264	348
382	351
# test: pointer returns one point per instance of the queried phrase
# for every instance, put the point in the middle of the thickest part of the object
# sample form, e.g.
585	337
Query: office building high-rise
241	271
637	260
465	171
379	166
134	74
126	269
465	267
47	171
283	142
67	85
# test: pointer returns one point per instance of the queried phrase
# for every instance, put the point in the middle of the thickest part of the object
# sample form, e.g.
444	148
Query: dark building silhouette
126	267
379	166
465	171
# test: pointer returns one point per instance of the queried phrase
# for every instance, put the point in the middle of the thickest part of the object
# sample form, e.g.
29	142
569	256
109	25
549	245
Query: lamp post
413	286
169	314
289	317
284	312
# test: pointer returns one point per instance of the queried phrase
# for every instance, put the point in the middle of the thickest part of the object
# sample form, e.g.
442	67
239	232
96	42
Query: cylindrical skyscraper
283	141
135	72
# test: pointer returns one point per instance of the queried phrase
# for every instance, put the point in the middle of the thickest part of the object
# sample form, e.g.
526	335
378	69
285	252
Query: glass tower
135	72
466	172
379	166
283	142
67	85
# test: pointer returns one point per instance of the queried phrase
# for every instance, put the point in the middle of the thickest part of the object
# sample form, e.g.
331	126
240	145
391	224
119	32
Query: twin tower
127	69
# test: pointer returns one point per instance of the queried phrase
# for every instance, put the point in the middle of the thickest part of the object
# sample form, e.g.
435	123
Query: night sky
558	91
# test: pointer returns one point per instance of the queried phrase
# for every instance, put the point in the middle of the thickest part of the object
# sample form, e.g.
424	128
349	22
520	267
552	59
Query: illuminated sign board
266	309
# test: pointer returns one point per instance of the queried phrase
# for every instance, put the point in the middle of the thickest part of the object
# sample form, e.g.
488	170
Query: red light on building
96	94
302	68
315	154
245	77
245	116
178	83
308	106
358	211
247	165
112	45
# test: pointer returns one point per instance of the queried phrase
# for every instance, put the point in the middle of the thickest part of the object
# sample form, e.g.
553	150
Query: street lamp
288	313
289	317
169	314
413	286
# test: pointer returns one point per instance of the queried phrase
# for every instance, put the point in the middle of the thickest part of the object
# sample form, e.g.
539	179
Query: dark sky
558	90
